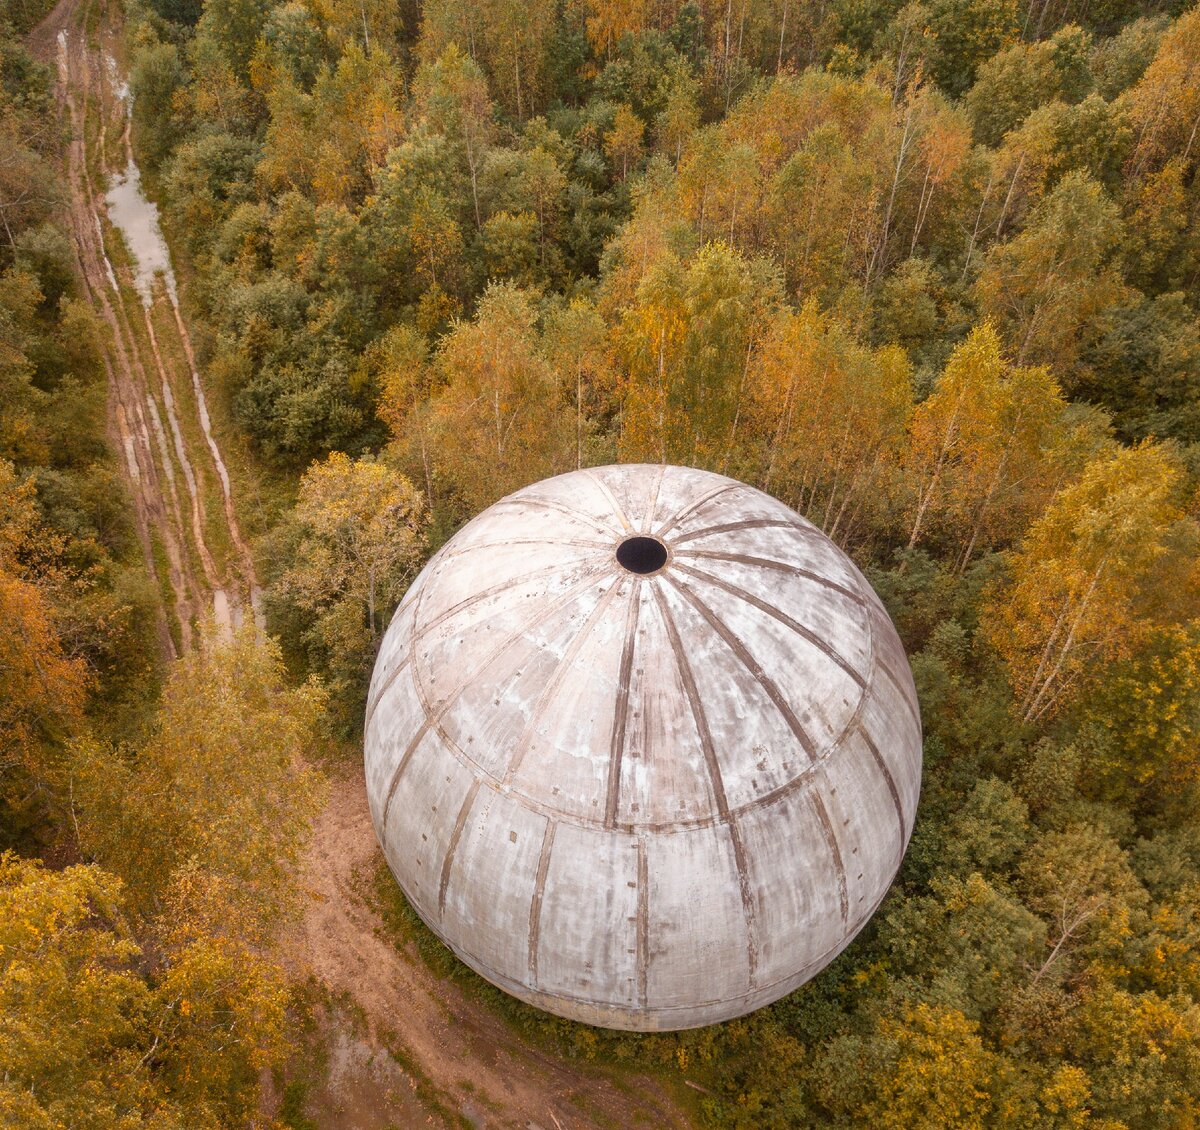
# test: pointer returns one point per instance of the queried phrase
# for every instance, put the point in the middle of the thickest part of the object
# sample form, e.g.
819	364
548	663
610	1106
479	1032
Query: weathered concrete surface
643	801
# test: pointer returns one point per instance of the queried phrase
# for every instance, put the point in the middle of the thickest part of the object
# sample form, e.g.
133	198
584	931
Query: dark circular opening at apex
642	554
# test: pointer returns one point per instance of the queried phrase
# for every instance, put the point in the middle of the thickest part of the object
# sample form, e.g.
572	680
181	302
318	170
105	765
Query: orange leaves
609	20
1166	102
43	689
652	333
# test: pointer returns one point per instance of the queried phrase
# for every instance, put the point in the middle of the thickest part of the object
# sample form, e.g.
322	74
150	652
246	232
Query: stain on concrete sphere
643	747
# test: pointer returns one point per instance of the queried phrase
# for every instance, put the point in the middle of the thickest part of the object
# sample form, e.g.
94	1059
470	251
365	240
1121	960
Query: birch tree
1071	603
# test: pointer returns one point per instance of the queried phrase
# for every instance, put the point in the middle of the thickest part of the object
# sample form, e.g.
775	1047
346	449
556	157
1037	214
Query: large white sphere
644	800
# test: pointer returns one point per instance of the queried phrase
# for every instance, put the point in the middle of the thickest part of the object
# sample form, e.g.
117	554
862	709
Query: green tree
452	92
1021	78
925	1066
966	33
500	418
359	529
1044	286
687	346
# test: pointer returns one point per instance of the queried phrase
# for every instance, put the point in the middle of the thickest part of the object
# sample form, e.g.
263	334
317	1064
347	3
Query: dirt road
421	1052
159	419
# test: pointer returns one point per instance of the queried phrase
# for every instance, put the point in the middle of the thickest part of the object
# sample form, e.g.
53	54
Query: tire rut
145	379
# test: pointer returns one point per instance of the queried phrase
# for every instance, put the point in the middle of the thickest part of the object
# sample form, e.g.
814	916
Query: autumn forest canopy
928	272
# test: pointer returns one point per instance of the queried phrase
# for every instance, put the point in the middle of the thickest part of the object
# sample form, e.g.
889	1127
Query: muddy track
157	407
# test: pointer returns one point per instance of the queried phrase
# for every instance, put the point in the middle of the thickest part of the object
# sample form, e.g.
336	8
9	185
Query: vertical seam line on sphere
452	846
904	693
803	632
602	486
652	507
535	903
891	783
779	566
420	632
718	785
752	665
695	505
554	541
616	750
748	524
541	502
642	957
835	851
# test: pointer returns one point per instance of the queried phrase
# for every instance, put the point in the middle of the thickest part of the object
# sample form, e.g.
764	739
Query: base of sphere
646	1020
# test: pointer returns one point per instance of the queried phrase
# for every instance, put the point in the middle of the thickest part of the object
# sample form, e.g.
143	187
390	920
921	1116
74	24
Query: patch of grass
310	1062
162	574
291	1110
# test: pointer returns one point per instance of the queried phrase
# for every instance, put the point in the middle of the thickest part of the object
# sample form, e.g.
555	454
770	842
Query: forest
929	272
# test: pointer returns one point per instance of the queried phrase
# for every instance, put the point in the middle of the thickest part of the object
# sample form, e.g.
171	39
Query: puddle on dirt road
133	213
137	219
117	84
364	1089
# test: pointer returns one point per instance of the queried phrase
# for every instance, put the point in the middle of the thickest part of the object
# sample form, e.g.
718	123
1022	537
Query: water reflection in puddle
137	219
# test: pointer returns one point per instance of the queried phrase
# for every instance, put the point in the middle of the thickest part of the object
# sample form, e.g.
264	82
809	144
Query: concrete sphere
643	747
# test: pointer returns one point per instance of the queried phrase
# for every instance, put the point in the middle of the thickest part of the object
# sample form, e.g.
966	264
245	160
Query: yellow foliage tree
987	448
70	1002
1070	605
89	1041
1165	104
832	414
222	784
1150	705
623	143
